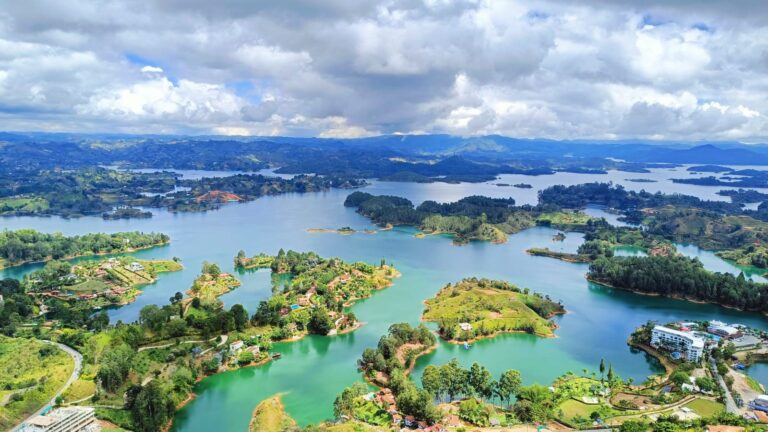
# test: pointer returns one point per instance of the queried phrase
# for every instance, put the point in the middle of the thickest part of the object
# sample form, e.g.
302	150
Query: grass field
489	310
80	389
23	205
572	408
705	407
31	372
89	286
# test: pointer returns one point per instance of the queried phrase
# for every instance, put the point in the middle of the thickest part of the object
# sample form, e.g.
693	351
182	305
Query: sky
601	69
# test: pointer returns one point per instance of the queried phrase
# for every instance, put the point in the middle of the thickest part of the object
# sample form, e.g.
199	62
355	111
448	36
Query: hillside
476	308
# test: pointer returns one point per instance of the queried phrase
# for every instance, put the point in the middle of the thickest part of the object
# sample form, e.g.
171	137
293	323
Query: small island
211	284
97	284
523	186
315	292
479	308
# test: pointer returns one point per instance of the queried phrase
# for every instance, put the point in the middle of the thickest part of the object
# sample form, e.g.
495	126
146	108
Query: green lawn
23	205
705	407
89	286
572	408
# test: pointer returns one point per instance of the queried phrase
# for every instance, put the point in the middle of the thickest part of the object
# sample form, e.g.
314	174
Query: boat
276	356
466	346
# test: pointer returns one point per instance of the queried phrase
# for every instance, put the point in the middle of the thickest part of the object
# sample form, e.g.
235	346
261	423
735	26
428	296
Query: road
730	404
78	358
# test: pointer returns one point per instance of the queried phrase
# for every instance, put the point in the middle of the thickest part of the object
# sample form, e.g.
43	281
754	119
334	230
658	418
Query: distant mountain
708	154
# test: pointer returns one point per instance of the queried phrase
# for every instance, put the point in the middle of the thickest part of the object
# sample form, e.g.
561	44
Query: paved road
78	358
730	404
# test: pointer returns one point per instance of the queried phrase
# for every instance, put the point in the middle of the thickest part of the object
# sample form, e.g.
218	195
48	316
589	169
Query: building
236	346
69	419
747	342
465	326
674	340
136	267
723	330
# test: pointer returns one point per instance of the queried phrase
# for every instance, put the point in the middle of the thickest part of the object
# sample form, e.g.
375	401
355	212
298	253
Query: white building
674	340
236	346
69	419
465	326
720	329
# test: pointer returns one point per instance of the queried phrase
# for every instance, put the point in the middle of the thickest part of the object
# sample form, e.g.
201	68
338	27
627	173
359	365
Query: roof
42	421
724	428
746	340
696	341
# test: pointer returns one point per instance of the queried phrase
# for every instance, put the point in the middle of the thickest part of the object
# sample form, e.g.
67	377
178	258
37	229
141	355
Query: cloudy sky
669	69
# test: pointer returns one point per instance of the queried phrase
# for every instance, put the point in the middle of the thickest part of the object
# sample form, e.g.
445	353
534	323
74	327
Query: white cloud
548	68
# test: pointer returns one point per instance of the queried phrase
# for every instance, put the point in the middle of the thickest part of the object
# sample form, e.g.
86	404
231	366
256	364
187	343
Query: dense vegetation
26	245
470	218
680	277
489	307
114	194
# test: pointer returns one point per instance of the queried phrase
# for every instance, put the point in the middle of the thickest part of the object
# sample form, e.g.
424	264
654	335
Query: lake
314	370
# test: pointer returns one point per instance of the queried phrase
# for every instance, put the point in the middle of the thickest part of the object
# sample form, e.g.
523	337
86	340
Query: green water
314	370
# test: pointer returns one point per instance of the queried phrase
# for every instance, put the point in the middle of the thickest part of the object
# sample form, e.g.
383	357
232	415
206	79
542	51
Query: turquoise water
314	370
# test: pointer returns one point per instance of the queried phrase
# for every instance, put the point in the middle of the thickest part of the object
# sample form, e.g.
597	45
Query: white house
675	340
236	346
134	266
69	419
465	326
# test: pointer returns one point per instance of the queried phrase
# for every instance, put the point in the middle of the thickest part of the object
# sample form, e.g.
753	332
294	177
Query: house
676	340
452	420
196	351
236	346
253	349
410	421
397	419
465	326
303	301
135	267
760	403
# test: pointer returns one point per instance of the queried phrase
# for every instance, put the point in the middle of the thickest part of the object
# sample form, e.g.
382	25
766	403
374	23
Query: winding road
78	358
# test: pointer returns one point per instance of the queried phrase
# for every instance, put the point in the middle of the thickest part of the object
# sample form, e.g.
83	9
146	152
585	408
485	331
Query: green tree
431	381
320	322
152	408
602	369
481	381
343	405
240	315
509	384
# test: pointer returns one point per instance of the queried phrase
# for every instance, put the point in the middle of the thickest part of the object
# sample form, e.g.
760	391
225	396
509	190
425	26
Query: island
316	292
679	277
211	284
480	308
25	246
94	284
470	218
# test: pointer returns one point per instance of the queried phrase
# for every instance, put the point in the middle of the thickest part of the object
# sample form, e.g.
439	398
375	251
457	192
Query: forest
113	194
27	245
679	277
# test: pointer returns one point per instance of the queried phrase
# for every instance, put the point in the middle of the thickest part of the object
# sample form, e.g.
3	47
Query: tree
679	377
534	404
344	403
320	322
474	412
481	381
454	379
152	408
509	384
602	369
240	315
610	375
633	426
431	381
153	317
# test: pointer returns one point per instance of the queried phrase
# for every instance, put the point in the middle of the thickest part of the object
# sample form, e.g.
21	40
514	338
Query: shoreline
501	332
71	257
673	297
